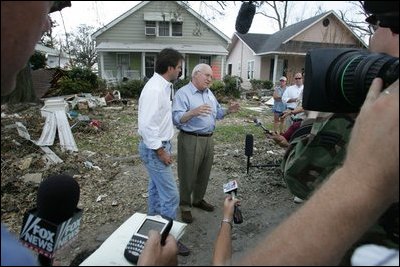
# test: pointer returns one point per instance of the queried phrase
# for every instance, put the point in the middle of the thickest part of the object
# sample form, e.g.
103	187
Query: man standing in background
279	106
292	94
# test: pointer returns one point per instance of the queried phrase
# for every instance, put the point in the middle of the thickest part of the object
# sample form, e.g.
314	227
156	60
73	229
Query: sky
99	13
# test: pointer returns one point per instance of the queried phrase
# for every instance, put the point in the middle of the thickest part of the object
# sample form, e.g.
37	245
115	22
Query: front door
122	65
149	65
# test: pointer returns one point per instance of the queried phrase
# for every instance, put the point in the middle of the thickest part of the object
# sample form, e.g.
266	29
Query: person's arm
202	110
276	95
223	244
351	200
154	254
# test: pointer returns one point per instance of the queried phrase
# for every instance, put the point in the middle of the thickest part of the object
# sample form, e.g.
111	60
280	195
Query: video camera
338	79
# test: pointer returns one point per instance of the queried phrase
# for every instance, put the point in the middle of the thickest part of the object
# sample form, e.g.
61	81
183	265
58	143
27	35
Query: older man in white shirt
292	94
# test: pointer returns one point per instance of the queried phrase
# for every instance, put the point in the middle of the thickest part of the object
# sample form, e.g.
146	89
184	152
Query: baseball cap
283	78
383	13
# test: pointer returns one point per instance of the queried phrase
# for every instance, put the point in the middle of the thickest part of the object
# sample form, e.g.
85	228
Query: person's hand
154	254
285	114
229	204
202	110
164	156
233	107
373	149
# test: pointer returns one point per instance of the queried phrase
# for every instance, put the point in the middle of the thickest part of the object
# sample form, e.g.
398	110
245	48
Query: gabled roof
262	44
142	4
50	51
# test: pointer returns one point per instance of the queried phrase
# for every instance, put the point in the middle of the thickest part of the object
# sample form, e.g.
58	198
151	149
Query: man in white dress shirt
292	94
156	131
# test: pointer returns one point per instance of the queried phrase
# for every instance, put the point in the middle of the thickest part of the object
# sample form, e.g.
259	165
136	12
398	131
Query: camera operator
356	194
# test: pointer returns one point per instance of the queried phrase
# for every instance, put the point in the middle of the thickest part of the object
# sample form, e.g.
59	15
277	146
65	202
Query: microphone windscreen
245	17
248	149
57	198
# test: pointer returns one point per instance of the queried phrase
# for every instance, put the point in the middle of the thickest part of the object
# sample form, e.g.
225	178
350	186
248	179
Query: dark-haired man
156	131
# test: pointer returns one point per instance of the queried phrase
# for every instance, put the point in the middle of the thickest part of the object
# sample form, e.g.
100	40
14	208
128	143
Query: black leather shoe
204	205
187	216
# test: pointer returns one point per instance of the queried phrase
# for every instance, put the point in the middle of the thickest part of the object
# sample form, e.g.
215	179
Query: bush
232	85
256	84
267	84
101	87
218	88
38	61
70	86
79	80
84	74
130	89
181	82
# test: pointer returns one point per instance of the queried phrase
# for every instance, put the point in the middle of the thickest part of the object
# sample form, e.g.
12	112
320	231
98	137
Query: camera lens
352	73
338	79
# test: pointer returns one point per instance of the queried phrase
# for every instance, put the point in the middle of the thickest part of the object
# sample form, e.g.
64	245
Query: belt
197	134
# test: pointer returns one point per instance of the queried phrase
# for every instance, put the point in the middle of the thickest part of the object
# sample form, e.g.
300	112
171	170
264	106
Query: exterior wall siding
239	57
326	32
132	30
334	32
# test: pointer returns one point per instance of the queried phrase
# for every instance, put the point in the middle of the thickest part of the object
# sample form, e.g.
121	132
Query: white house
54	58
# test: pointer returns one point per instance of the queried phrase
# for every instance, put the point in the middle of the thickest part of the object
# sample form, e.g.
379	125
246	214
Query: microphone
231	188
56	220
258	123
245	17
248	149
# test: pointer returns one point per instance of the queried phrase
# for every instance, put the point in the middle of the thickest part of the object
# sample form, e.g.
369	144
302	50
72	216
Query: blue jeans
163	193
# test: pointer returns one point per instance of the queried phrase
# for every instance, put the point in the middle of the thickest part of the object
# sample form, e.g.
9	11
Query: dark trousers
195	159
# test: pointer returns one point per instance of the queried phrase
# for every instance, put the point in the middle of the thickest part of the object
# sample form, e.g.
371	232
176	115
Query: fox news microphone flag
56	220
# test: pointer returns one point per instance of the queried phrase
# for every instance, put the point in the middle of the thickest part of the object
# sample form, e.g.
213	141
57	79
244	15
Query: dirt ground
111	195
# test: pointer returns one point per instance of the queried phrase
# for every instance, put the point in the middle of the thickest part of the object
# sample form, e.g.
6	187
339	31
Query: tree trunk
24	89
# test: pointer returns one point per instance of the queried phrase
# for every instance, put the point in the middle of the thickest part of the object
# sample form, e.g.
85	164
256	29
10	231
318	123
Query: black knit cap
386	12
59	5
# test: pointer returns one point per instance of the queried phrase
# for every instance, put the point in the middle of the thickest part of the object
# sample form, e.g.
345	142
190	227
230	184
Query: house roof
49	51
262	44
156	47
142	4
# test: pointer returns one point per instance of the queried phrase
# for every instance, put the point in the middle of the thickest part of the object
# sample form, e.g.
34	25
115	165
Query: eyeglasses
298	78
282	80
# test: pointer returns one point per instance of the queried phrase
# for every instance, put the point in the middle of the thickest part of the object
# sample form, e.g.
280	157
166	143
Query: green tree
82	47
38	61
